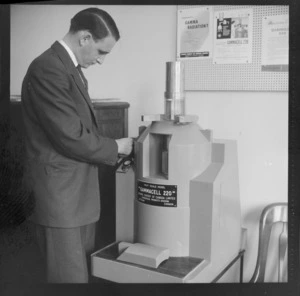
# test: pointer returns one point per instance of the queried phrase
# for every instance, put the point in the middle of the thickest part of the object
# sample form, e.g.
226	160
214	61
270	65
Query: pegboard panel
204	75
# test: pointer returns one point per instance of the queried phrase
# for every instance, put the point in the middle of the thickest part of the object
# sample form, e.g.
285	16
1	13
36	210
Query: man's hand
124	146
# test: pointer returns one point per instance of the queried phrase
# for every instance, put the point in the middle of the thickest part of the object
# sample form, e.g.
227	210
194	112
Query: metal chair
271	214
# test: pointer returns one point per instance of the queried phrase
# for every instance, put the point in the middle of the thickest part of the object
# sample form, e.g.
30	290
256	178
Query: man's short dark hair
97	21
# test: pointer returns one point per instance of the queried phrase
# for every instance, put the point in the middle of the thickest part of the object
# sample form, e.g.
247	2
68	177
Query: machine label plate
157	194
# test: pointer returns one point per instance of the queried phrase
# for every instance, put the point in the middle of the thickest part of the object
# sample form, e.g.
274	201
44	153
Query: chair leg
282	252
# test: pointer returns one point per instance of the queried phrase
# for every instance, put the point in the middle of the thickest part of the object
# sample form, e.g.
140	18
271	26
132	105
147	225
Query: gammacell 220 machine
178	216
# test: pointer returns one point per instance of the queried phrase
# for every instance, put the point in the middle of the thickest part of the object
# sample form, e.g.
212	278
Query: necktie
85	82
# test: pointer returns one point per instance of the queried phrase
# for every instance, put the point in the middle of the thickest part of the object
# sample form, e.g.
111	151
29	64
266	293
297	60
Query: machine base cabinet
195	216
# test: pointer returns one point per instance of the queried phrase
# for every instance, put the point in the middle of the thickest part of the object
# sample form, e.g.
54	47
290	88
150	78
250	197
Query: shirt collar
70	52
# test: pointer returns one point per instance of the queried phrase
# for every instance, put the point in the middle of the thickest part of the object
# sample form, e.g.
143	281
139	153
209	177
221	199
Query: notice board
203	74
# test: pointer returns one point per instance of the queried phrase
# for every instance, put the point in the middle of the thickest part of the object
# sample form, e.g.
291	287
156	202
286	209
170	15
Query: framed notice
194	33
233	36
275	43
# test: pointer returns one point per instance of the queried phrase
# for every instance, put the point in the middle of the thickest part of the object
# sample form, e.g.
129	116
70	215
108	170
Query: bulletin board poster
232	38
194	33
275	43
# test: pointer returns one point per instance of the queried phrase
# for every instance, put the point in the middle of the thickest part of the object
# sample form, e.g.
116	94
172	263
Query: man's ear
85	38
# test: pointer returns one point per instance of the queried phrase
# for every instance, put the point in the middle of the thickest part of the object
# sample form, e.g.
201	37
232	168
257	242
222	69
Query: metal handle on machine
126	161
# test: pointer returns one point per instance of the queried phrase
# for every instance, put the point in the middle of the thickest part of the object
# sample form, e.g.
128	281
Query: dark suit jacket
62	144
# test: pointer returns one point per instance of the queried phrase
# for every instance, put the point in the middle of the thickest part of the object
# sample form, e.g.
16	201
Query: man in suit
63	146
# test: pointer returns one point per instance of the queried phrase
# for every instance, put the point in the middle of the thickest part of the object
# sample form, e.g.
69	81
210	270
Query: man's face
92	52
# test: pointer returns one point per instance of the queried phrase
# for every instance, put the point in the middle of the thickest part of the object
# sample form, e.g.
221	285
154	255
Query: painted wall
135	72
259	123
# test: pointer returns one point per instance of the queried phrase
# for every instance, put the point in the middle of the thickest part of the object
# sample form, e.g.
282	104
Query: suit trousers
66	252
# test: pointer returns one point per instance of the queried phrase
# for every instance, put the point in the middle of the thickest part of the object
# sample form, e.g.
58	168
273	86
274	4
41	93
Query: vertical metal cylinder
174	94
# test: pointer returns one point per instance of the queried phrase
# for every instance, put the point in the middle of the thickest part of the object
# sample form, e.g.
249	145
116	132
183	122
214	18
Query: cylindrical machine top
174	77
174	94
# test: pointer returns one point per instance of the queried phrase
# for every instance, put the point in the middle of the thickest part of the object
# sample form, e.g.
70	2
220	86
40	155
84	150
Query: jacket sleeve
49	91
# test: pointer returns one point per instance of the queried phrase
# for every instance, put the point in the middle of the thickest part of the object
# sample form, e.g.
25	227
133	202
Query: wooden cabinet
112	118
17	202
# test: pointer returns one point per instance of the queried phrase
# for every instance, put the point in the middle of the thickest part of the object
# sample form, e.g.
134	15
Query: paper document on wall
232	37
275	43
194	33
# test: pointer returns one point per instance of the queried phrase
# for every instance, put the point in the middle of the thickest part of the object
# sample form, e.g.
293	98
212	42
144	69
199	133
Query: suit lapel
65	58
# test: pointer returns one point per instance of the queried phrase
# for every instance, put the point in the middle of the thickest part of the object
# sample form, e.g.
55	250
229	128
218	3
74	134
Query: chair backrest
271	214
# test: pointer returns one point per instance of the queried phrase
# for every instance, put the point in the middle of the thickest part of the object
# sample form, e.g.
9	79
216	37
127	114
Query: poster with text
194	33
275	43
232	38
